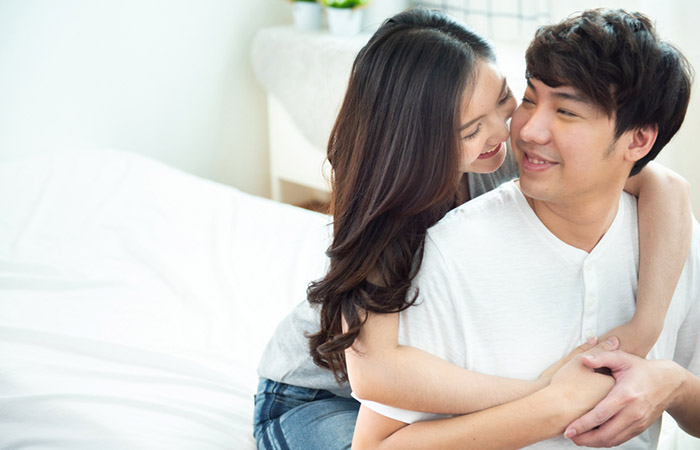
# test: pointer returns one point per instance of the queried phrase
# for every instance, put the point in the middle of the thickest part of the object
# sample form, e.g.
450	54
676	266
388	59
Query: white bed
135	301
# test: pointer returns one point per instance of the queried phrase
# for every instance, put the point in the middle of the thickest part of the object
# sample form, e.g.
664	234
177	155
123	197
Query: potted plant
307	14
344	16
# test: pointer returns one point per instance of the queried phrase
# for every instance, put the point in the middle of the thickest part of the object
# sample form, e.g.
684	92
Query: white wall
172	79
168	78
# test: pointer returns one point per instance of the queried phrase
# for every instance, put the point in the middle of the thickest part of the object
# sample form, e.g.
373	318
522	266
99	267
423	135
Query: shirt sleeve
402	415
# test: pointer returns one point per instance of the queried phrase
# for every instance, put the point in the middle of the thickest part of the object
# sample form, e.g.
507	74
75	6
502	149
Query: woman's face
486	110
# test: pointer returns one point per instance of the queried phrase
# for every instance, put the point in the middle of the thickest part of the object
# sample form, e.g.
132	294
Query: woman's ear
642	140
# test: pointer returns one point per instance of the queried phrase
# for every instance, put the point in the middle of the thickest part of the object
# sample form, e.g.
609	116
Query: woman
400	148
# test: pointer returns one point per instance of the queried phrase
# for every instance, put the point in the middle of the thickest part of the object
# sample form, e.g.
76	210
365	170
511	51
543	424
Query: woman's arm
665	229
539	416
405	377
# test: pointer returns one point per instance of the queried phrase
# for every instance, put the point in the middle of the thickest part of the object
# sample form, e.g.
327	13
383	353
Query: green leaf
344	3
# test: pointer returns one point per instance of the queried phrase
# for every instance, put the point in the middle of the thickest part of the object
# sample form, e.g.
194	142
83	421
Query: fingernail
591	340
570	433
589	357
612	341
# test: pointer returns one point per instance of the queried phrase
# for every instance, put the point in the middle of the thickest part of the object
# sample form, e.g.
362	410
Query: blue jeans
291	417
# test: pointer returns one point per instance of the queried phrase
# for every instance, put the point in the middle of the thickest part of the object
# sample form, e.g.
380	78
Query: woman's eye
528	101
473	135
508	96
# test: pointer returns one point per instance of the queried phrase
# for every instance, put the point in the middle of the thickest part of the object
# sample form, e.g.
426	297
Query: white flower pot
344	21
307	15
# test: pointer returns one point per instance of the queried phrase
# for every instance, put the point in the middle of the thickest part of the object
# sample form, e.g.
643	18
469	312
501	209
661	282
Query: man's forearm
686	409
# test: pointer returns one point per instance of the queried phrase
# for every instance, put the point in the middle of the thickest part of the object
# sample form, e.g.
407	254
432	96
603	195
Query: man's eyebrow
573	96
504	86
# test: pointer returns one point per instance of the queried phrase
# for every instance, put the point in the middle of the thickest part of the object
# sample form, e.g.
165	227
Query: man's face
565	147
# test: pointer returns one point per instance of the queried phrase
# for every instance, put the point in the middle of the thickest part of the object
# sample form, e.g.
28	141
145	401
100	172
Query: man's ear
642	140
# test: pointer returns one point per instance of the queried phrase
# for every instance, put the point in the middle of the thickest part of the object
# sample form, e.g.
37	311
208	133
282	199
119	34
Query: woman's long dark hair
394	150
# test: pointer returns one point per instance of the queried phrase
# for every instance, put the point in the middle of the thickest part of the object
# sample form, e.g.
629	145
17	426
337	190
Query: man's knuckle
637	416
628	395
635	395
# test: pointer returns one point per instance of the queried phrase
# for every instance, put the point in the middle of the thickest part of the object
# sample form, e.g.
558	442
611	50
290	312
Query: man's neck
581	224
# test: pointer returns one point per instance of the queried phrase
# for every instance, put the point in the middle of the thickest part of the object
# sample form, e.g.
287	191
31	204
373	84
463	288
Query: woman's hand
580	387
591	346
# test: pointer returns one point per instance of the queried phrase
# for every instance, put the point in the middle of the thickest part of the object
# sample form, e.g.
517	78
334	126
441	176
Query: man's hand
643	391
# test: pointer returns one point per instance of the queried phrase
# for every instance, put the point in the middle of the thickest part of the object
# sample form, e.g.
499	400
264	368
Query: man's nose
537	128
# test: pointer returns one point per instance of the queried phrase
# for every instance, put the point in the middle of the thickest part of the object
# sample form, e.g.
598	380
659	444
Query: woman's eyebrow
468	124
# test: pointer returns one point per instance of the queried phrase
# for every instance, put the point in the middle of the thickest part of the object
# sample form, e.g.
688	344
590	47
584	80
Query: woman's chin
490	164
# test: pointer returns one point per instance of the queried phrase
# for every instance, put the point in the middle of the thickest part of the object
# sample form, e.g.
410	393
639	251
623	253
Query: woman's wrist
557	409
637	336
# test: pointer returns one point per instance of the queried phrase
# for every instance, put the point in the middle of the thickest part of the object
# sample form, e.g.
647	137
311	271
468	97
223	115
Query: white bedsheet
135	301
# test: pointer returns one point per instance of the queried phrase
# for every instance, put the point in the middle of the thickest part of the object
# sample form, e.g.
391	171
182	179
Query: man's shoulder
480	225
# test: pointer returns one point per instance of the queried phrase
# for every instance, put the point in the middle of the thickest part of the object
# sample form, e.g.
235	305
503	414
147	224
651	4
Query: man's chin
533	188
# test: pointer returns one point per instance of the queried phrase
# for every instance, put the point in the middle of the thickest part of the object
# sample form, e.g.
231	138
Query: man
558	257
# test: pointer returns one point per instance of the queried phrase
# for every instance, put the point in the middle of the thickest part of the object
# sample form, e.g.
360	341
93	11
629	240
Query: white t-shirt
500	294
286	358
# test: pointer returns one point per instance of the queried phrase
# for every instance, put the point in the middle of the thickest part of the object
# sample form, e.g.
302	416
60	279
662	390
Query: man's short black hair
617	61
